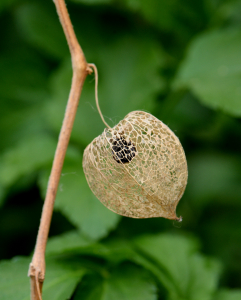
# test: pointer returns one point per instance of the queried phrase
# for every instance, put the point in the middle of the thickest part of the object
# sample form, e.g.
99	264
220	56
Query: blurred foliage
179	60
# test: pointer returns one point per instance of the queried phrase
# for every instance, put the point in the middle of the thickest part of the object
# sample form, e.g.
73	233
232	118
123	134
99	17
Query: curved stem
80	71
93	66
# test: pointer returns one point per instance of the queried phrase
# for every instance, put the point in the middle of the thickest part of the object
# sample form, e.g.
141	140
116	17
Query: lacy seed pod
137	168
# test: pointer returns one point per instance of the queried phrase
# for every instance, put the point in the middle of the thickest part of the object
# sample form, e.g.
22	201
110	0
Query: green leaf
59	284
73	242
28	156
23	78
228	12
76	201
125	282
179	18
23	91
14	283
212	70
18	123
46	35
91	288
226	294
61	280
119	250
161	13
70	241
128	83
185	274
204	277
214	176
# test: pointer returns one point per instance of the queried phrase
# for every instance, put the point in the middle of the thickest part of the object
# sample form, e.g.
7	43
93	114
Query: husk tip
179	219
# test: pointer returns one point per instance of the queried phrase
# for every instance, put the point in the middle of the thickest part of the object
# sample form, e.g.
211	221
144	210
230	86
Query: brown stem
80	71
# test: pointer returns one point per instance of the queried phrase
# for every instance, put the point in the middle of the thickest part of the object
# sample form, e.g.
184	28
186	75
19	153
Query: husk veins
137	168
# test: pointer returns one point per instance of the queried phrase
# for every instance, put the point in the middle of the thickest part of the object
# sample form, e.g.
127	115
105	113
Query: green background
179	60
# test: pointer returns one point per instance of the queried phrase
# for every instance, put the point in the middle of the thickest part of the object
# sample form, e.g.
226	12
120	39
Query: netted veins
137	168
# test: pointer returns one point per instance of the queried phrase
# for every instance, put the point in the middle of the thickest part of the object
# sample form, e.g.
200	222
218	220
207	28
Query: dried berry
138	168
123	151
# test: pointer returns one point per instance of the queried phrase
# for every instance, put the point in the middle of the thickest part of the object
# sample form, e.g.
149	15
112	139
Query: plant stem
80	71
93	66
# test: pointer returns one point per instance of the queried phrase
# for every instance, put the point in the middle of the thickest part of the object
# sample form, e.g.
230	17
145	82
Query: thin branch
93	66
80	71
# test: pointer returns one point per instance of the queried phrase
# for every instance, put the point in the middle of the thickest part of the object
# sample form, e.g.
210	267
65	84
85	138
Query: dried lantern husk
137	168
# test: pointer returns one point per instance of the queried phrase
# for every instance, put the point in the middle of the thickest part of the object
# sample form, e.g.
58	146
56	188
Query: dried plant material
138	168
